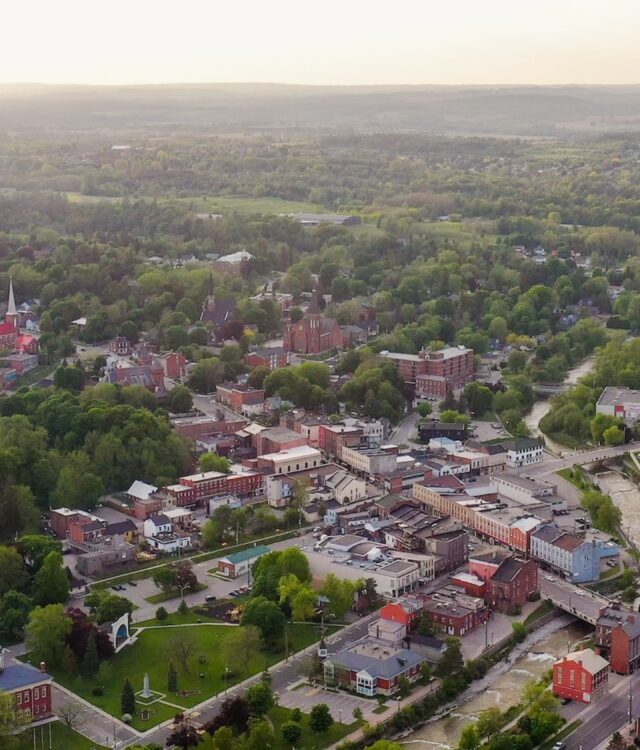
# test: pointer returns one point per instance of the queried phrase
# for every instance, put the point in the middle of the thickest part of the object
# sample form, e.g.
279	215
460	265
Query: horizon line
316	85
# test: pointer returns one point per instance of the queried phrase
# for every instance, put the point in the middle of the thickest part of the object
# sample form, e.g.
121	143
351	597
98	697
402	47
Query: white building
157	524
523	452
395	578
291	459
619	402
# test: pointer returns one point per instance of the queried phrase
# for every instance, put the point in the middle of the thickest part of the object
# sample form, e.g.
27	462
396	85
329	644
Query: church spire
11	308
12	312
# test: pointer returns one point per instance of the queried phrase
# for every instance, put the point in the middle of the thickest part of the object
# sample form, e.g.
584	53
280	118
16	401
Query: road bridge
576	600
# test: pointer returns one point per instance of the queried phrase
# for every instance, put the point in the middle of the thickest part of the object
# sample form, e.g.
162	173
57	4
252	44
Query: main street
606	716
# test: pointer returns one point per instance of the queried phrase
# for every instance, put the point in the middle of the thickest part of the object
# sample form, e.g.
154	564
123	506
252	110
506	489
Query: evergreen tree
172	679
91	661
127	699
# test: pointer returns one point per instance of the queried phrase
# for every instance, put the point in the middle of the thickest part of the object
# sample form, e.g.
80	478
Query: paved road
405	432
605	716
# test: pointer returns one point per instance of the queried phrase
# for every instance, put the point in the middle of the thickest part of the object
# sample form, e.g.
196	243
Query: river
541	407
503	692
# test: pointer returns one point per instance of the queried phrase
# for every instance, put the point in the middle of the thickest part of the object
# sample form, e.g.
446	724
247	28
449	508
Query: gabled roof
141	490
589	660
508	570
247	554
21	675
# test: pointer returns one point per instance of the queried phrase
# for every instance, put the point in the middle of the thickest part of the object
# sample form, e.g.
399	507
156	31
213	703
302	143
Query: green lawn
165	596
61	739
152	652
544	609
267	205
174	618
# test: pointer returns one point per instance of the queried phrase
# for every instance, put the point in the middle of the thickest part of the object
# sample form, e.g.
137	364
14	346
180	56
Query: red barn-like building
580	676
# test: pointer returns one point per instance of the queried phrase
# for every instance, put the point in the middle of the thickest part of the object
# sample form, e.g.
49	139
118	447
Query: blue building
576	559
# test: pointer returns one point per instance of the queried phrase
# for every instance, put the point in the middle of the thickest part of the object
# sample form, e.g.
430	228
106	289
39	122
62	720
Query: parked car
210	598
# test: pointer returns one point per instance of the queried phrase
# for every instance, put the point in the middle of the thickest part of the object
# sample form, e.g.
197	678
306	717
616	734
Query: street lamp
398	704
226	674
340	715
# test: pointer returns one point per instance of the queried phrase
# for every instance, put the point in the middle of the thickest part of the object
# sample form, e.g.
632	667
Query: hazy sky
328	41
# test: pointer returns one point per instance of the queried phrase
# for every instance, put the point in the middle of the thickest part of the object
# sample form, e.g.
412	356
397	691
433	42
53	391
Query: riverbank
542	407
502	685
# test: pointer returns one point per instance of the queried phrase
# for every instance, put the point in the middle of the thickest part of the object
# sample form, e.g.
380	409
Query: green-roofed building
235	565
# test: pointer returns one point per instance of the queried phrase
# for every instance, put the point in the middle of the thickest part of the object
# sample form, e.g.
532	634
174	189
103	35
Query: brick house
580	676
30	688
276	439
618	633
120	345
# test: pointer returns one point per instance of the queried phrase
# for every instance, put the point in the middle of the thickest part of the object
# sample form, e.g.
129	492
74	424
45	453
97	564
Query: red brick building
435	373
314	334
456	613
276	439
511	584
406	612
30	688
173	364
239	397
446	370
580	676
273	358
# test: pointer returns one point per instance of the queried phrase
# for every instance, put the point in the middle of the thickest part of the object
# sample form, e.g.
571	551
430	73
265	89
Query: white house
157	524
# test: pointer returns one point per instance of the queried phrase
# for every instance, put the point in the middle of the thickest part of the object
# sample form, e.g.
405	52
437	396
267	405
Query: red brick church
314	334
10	337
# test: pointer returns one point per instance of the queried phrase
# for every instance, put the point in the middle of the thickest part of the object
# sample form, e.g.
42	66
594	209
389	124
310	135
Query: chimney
43	666
631	619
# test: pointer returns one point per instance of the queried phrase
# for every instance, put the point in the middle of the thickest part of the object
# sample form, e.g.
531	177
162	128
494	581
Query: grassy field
309	740
62	738
461	233
267	205
152	652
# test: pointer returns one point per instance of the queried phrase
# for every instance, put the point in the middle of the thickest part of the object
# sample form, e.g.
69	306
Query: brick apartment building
434	374
273	358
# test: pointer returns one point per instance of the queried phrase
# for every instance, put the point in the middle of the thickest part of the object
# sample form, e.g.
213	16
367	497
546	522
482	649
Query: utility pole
630	700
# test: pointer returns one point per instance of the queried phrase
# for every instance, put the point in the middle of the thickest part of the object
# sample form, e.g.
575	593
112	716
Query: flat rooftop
613	395
302	451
